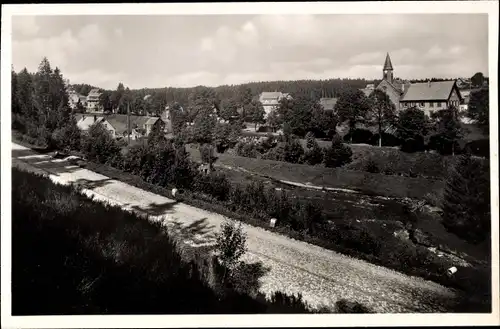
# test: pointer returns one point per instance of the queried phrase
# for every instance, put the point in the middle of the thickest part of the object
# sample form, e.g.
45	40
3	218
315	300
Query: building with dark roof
432	96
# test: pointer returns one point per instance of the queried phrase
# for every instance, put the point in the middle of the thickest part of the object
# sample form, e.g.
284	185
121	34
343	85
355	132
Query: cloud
66	50
118	32
188	50
25	25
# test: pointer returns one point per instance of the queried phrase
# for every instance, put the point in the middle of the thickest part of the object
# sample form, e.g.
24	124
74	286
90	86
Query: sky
211	50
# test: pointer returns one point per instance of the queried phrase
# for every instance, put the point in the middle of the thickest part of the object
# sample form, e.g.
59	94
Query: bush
277	153
359	136
294	152
282	303
67	137
314	156
387	140
207	153
345	306
480	148
337	154
371	166
98	145
214	184
248	150
230	246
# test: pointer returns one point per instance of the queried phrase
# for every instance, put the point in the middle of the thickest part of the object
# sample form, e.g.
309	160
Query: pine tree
466	208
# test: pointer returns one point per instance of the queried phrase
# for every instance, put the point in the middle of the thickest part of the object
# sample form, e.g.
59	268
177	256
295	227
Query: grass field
368	183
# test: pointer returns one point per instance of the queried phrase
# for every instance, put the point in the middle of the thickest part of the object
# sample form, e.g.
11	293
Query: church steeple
387	70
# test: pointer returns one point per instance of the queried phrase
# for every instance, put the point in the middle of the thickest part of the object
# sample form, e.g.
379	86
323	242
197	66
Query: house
270	100
83	100
432	96
167	119
463	83
143	125
84	122
328	104
93	101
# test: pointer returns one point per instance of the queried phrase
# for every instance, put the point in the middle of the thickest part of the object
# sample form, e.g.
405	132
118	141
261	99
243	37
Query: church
395	88
427	96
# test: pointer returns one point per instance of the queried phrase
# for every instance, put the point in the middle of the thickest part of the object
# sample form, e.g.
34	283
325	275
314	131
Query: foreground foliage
96	259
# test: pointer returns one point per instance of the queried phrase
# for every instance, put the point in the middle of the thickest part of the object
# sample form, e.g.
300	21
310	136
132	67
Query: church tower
388	70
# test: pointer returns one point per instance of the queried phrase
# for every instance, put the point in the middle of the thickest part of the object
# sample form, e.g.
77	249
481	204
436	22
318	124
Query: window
438	104
422	104
431	104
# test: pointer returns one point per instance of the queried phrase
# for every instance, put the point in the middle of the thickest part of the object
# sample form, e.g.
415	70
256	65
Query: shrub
294	151
467	200
359	136
313	156
207	154
277	153
230	246
345	306
282	303
337	154
98	145
371	166
387	140
310	140
480	148
214	184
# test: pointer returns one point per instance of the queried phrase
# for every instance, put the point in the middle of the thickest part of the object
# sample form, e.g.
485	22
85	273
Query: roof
328	103
152	121
271	94
94	91
388	64
366	91
119	121
425	91
85	122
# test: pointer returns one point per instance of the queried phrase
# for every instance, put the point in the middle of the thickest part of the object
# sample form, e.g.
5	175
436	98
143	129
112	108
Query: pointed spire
388	64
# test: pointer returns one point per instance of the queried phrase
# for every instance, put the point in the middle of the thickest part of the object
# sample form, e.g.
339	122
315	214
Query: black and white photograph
285	163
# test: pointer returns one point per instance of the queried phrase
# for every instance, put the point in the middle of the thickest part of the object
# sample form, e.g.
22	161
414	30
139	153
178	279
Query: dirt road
321	276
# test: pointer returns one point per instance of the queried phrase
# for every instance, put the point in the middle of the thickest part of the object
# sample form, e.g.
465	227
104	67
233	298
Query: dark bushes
337	154
359	136
480	148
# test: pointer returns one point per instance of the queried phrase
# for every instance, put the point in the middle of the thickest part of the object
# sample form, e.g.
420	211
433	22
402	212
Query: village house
270	100
328	104
86	121
117	124
432	96
93	101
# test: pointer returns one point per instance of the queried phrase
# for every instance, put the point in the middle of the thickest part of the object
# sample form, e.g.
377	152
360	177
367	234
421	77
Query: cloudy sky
160	51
